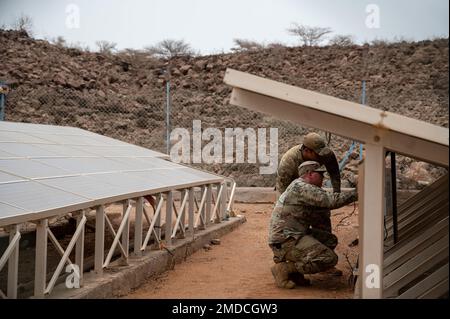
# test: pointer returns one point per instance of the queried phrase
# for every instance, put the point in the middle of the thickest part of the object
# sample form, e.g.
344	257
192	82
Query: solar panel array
46	170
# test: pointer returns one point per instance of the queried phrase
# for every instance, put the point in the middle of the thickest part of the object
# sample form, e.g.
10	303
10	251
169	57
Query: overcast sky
211	25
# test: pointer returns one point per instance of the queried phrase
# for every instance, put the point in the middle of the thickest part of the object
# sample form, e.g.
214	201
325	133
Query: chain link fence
141	119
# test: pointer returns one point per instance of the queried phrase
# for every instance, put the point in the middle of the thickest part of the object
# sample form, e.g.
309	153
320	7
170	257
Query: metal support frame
201	218
121	232
126	232
217	211
169	212
394	195
153	222
180	221
139	212
43	233
208	204
99	240
188	206
11	255
231	199
79	246
191	211
65	258
40	271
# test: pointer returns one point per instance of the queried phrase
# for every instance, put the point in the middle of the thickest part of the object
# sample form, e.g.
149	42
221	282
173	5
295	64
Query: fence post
168	109
3	92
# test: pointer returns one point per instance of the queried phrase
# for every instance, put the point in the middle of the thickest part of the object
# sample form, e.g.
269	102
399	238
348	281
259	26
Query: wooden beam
400	143
338	107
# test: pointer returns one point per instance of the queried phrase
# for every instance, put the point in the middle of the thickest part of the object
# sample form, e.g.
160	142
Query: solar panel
84	186
6	136
36	197
122	150
83	165
63	150
9	211
4	154
8	178
47	170
28	168
25	150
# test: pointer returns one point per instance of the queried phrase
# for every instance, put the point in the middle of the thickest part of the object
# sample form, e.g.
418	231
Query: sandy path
240	266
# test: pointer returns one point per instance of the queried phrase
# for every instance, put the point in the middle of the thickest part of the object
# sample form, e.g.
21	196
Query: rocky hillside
123	95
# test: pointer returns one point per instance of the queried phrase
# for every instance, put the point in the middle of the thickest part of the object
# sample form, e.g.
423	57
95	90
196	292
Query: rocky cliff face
123	95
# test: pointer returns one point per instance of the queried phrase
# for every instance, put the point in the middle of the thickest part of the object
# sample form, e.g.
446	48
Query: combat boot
334	272
299	279
281	273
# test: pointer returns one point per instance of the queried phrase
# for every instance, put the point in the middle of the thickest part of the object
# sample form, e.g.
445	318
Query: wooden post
371	206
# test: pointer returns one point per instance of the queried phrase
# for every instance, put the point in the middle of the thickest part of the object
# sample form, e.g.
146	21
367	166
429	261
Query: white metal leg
99	240
169	211
13	262
191	211
41	258
157	226
223	204
79	248
208	204
138	226
123	225
126	232
231	199
66	254
184	209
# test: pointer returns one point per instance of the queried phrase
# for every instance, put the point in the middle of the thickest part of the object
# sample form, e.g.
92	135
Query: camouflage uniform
288	171
293	234
290	161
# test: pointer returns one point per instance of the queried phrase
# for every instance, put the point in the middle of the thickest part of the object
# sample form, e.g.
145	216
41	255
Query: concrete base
254	195
120	280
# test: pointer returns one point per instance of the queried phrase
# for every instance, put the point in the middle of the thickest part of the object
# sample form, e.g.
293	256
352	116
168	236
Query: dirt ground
240	266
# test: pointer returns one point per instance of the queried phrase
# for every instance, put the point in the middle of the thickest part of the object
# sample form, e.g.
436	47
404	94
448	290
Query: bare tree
59	41
170	48
78	46
309	36
106	46
342	40
24	23
276	45
246	45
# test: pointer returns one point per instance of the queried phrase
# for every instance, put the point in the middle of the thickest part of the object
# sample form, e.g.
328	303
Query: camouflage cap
315	142
310	166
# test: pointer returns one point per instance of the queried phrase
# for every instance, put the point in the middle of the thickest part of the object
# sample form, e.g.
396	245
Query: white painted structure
380	131
51	171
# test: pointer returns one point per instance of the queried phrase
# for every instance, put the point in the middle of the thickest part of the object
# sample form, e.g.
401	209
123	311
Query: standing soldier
312	149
